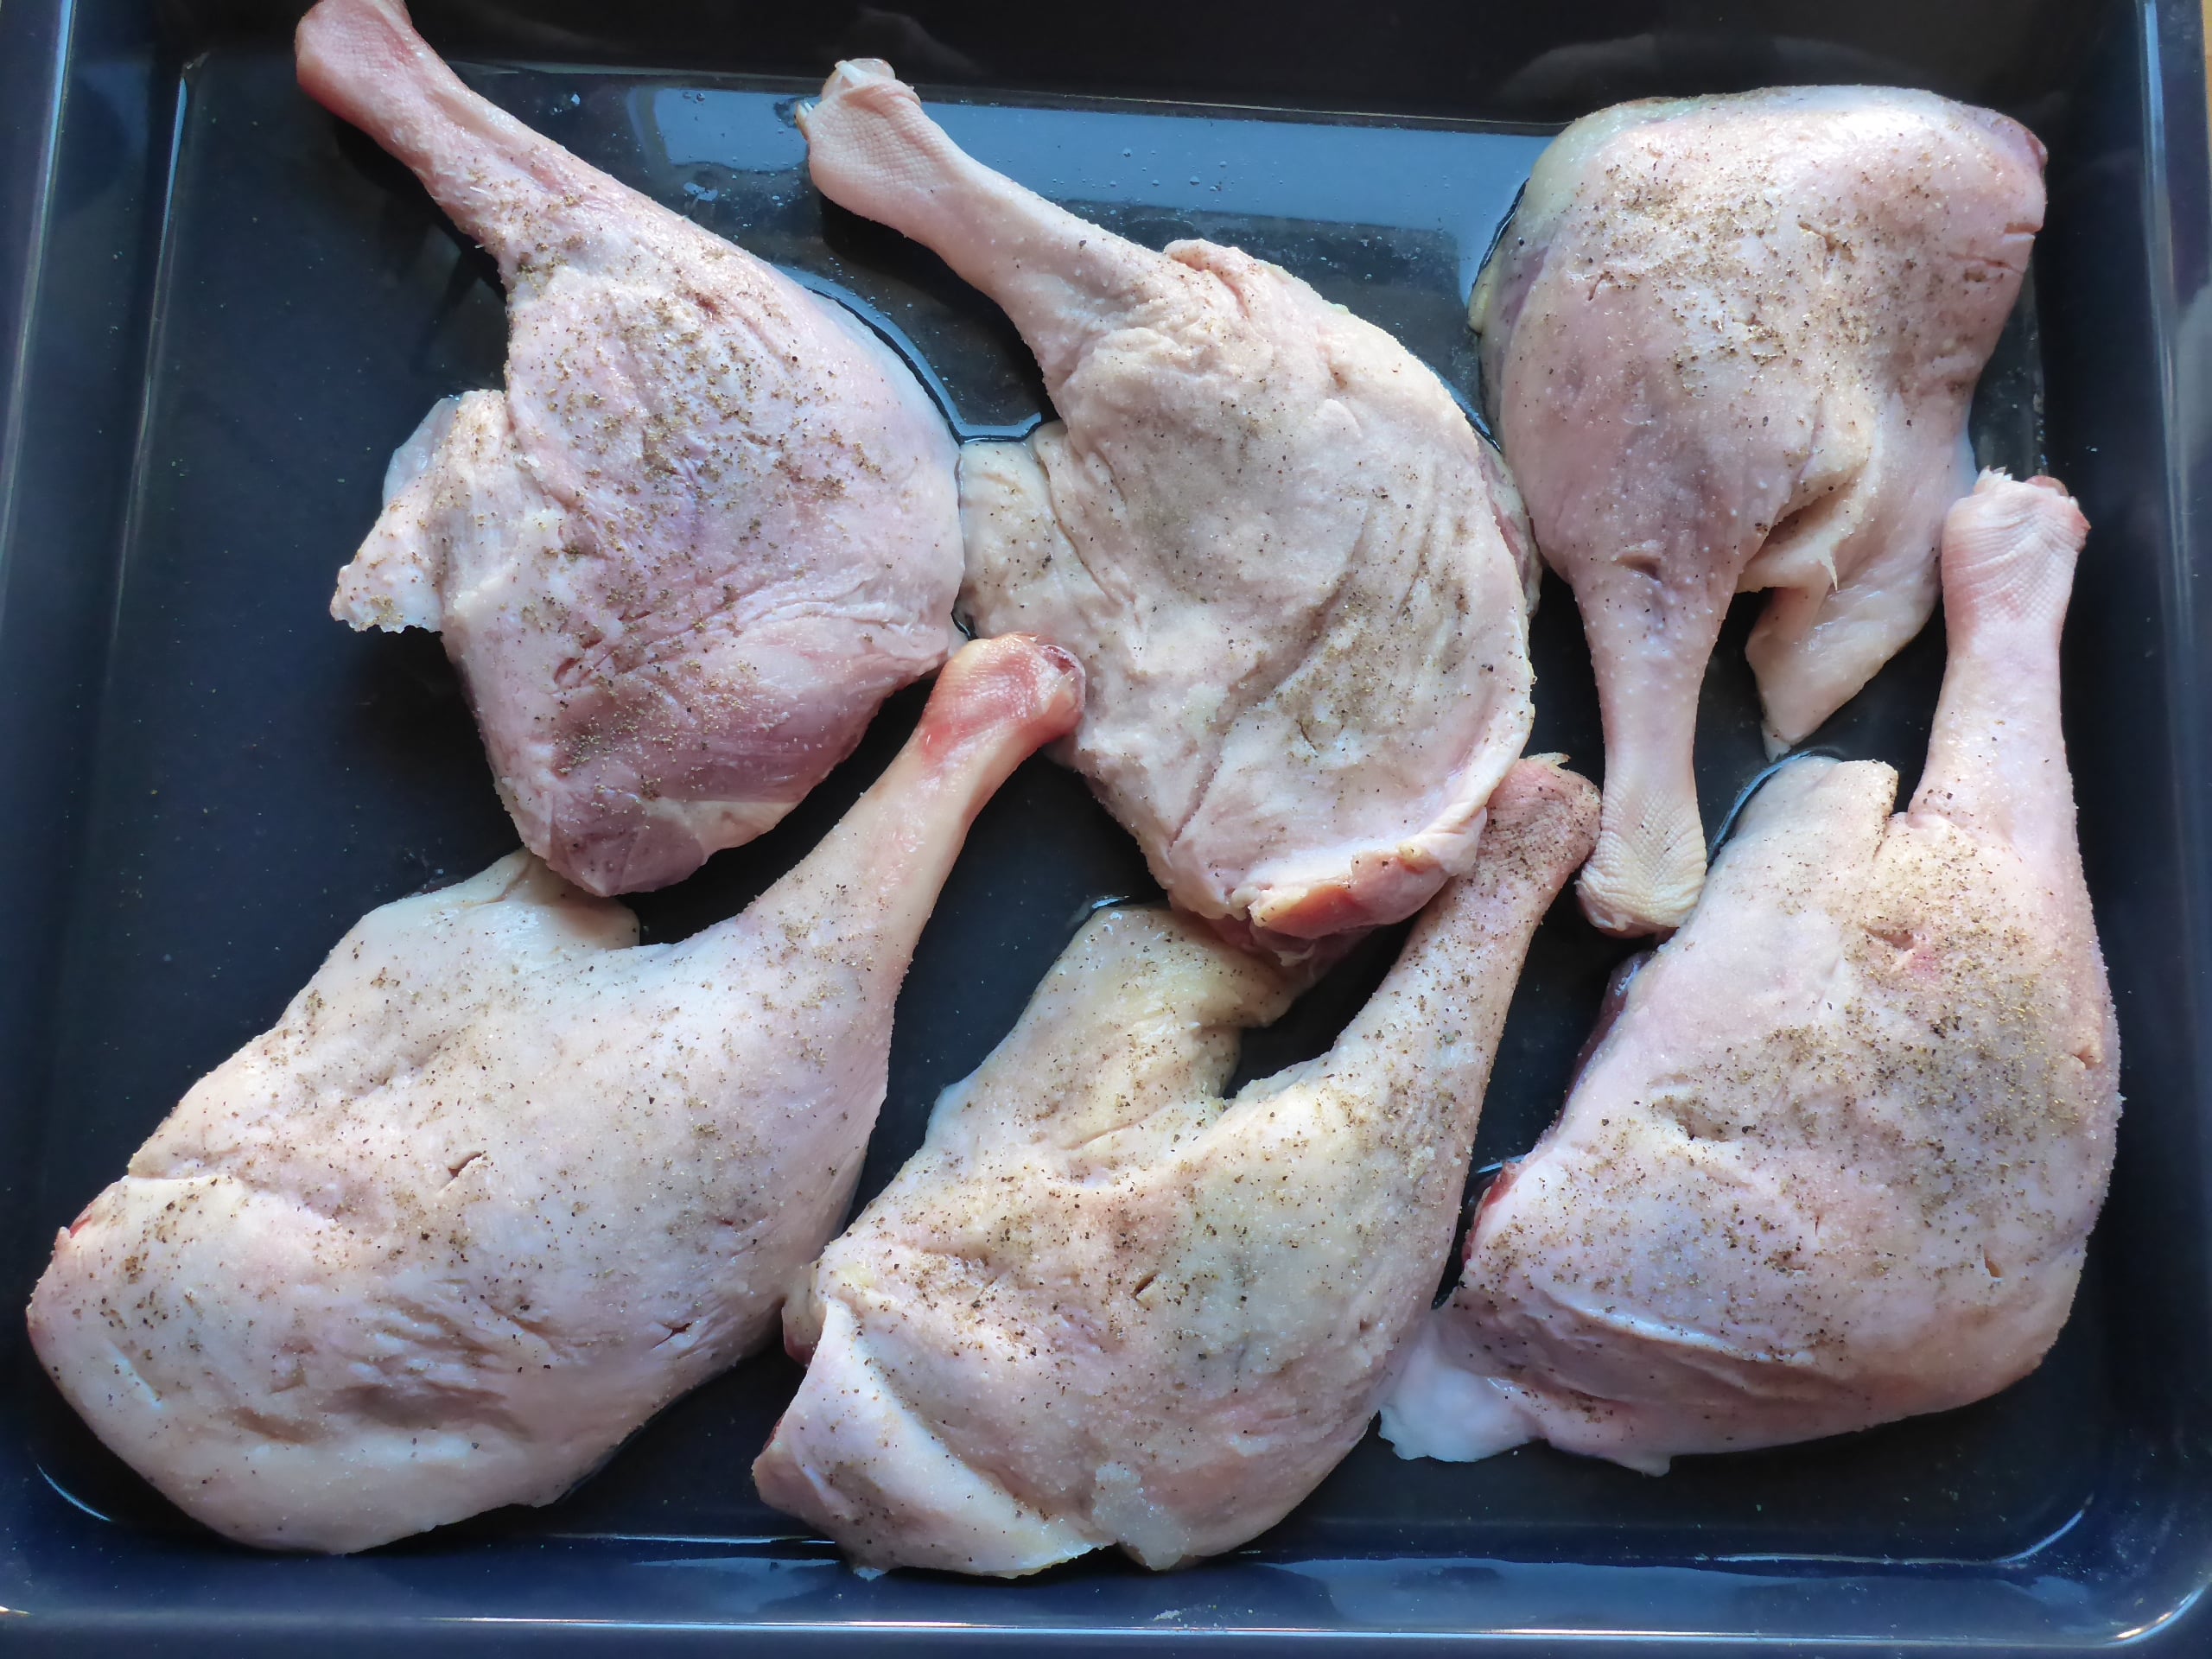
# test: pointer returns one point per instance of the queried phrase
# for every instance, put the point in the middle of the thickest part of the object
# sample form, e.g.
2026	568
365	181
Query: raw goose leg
1291	570
1730	344
502	1184
707	527
1836	1161
1104	1306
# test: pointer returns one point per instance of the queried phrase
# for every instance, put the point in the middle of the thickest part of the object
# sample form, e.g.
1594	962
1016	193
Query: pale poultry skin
1296	577
1731	343
1104	1306
503	1183
707	525
1836	1159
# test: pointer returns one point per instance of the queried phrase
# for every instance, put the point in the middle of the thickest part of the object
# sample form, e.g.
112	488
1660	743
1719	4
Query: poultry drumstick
1104	1306
1836	1159
708	526
1293	573
1729	343
502	1184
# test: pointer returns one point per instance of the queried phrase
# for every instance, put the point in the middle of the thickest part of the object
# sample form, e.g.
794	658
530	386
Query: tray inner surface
262	777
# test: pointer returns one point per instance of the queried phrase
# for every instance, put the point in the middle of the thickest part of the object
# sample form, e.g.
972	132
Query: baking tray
219	312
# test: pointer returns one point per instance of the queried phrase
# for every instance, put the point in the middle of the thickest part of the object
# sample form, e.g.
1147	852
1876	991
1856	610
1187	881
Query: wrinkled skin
1293	572
1103	1305
502	1183
708	526
1837	1160
1730	344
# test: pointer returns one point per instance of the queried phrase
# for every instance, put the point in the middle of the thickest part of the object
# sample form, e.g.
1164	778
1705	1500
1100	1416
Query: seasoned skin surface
1730	344
1837	1160
1293	572
502	1184
1103	1305
709	523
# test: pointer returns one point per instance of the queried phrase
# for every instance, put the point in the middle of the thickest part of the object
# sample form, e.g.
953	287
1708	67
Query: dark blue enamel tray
219	311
